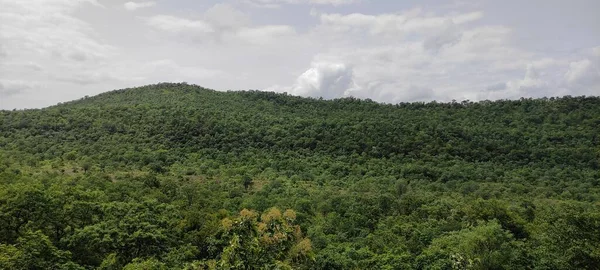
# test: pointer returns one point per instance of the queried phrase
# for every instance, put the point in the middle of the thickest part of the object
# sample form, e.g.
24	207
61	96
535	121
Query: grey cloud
496	87
33	66
448	35
87	77
77	56
418	93
8	89
279	3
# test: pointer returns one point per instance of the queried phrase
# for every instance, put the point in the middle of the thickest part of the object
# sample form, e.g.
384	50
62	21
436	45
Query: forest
177	176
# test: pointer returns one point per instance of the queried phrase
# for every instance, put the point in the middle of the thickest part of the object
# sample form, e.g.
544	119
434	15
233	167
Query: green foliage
269	242
150	264
34	250
485	246
153	178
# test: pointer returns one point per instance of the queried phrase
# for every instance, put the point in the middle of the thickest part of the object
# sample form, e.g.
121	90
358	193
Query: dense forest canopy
176	176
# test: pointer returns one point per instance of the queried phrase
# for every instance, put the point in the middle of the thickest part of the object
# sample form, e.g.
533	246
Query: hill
160	175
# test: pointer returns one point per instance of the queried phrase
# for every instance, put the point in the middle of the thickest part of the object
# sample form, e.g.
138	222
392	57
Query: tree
247	181
271	241
485	246
34	250
86	166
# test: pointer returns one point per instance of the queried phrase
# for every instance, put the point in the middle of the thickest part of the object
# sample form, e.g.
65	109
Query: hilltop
156	176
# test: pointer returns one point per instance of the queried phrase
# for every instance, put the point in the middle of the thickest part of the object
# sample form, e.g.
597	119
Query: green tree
34	250
485	246
271	241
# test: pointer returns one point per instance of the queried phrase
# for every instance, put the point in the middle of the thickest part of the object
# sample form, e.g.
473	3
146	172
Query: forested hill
175	176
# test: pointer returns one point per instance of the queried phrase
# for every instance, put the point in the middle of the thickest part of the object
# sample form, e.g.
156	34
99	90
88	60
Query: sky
54	51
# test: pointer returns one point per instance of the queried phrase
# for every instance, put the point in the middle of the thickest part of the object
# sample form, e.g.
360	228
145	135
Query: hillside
175	176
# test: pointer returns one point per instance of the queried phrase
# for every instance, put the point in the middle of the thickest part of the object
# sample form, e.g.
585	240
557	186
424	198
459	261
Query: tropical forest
177	176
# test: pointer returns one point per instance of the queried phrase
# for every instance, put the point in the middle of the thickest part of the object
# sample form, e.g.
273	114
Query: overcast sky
390	51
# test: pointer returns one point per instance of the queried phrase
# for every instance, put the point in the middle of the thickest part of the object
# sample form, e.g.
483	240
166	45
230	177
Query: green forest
177	176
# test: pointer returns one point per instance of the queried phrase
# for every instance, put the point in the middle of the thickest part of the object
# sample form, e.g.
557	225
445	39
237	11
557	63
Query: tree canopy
176	176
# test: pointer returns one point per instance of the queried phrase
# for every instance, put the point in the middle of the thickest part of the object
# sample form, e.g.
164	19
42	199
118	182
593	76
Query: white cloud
226	17
179	25
583	77
327	80
222	23
532	82
412	21
390	91
35	34
467	17
581	71
169	70
417	55
132	6
264	34
47	29
422	56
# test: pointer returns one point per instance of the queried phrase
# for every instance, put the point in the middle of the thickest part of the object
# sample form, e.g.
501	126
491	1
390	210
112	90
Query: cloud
221	23
278	3
334	2
497	87
423	56
534	84
326	80
411	55
264	34
532	80
169	70
132	6
596	51
411	21
32	66
47	40
226	17
47	30
583	71
445	35
10	88
389	91
583	77
418	55
178	25
87	77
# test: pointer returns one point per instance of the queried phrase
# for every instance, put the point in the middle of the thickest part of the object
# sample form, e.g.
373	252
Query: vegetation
175	176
